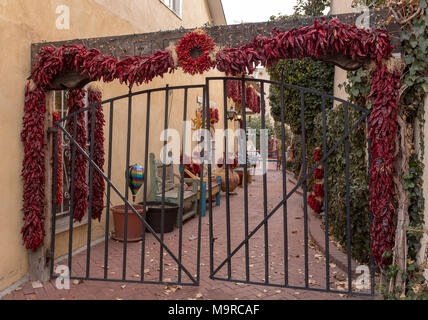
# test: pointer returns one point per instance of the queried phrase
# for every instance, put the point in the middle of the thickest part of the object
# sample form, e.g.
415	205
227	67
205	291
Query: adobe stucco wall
340	76
26	21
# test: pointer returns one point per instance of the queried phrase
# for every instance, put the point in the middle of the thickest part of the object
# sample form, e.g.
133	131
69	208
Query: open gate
223	248
172	266
158	262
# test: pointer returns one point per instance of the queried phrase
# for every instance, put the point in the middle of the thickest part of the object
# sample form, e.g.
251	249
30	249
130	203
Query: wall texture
24	22
338	7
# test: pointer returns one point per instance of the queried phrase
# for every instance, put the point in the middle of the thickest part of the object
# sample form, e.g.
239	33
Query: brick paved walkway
208	289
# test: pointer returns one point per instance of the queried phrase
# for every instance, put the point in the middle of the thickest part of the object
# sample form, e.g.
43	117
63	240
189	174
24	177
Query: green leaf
413	43
409	59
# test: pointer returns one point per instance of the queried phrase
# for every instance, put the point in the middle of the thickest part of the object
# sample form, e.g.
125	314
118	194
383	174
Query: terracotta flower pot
135	226
233	179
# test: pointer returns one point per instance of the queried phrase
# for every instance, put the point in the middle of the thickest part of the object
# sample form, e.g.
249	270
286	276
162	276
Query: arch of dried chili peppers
319	39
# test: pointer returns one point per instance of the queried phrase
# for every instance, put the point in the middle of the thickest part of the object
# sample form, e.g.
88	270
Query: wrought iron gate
218	264
100	268
240	271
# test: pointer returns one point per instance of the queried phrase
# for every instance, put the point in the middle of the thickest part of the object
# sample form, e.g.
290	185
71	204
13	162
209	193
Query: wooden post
39	261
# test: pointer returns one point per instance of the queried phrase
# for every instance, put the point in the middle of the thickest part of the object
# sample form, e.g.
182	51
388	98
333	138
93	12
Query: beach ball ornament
136	179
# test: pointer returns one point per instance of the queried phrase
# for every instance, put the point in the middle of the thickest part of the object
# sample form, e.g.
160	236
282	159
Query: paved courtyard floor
209	289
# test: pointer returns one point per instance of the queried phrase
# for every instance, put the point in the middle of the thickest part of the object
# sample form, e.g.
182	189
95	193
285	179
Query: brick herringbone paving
208	288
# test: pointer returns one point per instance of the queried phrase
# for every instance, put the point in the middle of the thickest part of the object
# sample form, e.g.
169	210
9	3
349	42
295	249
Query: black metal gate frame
302	183
248	235
128	206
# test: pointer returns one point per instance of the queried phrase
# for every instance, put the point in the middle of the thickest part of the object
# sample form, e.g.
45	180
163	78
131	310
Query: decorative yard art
321	39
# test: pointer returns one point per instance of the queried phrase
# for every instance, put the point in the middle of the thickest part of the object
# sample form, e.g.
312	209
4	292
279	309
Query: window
63	210
174	5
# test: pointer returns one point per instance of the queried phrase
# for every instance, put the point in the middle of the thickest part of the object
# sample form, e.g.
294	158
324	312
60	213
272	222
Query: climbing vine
403	279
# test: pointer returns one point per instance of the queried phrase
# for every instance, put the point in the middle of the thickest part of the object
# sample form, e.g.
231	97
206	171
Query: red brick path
208	289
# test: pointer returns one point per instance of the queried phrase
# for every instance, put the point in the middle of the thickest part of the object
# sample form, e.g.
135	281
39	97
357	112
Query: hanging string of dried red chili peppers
98	184
322	38
59	182
75	103
315	199
234	92
33	167
382	131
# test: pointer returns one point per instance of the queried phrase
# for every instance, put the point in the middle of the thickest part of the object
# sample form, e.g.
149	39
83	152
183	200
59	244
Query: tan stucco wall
340	75
26	21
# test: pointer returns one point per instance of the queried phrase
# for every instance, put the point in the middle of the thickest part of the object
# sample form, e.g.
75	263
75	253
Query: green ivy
358	184
307	73
415	42
413	184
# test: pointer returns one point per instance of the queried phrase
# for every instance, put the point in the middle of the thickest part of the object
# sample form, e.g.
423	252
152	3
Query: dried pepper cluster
33	168
382	131
195	53
52	61
80	196
59	182
315	199
320	39
214	116
98	184
234	92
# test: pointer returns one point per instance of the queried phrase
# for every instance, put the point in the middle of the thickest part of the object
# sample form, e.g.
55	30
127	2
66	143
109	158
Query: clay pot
135	226
233	179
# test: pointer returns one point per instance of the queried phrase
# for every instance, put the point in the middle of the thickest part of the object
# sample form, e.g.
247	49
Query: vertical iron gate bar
181	209
244	144
205	106
128	150
146	161
107	233
305	191
54	191
265	169
210	202
165	155
284	185
73	164
348	212
327	240
226	171
91	180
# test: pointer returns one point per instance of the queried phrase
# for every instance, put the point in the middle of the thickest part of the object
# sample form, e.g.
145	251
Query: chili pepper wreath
196	52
